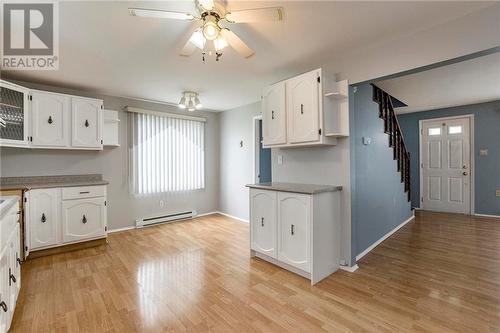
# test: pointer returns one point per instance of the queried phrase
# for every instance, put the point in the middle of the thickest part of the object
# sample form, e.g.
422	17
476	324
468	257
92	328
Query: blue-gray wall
379	202
486	136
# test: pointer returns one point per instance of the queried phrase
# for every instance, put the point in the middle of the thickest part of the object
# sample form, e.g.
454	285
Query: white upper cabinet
86	122
14	115
273	113
303	108
311	109
51	115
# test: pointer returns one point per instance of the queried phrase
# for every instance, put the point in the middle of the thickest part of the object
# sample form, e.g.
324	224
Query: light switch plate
498	193
367	140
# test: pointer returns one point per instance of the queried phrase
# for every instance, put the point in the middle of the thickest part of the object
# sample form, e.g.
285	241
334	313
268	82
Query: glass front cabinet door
13	115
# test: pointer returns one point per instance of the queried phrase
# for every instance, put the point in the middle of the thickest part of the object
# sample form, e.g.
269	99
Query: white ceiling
104	50
468	82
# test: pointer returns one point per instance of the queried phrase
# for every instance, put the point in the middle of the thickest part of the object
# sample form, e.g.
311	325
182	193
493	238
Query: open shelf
337	135
335	95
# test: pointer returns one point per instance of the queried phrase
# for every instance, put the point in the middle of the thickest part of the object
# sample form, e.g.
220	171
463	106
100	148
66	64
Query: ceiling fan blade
256	15
189	48
236	43
156	13
207	4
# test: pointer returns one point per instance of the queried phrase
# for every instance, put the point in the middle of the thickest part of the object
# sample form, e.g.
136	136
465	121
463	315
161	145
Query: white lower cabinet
263	222
44	215
10	267
298	232
294	212
60	216
83	219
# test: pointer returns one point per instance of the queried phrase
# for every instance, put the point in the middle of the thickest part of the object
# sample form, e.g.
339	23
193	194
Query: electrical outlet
498	193
162	203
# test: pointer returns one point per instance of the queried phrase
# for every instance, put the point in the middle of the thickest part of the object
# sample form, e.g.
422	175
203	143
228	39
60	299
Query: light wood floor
440	273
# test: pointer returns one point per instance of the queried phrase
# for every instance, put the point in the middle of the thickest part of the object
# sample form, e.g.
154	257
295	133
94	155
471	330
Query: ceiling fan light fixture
197	103
191	106
211	30
220	43
182	102
198	39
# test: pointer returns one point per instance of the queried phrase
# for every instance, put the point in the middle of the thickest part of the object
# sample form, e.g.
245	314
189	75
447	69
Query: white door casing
274	116
263	222
50	114
303	108
294	216
446	165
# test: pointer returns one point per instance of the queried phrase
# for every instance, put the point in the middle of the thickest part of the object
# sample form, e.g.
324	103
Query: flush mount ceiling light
190	101
209	32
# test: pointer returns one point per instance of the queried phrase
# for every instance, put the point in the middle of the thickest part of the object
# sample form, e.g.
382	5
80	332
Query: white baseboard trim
486	215
206	214
233	217
121	229
350	269
383	238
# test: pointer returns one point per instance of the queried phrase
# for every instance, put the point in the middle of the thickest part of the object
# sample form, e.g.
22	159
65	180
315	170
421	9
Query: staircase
396	139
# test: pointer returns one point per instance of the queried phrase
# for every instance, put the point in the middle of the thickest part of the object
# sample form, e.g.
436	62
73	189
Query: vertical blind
168	154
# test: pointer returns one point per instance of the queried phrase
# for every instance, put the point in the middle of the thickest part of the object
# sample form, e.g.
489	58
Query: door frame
470	117
256	146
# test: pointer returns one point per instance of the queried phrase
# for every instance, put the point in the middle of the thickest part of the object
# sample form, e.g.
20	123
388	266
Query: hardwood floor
439	273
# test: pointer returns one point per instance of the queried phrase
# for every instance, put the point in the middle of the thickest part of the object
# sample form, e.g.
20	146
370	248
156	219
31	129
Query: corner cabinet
307	110
40	119
298	232
60	216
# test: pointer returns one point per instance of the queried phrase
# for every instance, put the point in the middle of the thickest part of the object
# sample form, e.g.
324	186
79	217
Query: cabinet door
303	108
294	213
16	262
50	114
263	222
14	114
273	114
13	277
4	292
83	219
86	123
44	218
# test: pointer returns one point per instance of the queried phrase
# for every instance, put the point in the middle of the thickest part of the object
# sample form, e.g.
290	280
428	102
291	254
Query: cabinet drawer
82	192
83	219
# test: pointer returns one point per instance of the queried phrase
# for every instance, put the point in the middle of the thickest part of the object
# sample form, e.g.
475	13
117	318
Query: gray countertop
296	187
34	182
6	202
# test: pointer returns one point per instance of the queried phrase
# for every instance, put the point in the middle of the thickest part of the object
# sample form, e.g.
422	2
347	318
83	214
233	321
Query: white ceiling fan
208	31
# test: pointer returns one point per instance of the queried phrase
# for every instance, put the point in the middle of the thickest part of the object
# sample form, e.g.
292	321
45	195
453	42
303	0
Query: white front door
446	165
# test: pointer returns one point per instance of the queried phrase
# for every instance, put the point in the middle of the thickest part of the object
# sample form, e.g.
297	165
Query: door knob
465	173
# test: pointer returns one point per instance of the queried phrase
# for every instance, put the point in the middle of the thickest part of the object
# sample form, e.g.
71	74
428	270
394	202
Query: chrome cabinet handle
262	221
4	306
43	219
292	229
84	219
50	121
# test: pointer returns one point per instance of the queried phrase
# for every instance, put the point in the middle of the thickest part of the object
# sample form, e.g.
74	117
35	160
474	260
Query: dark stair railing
396	139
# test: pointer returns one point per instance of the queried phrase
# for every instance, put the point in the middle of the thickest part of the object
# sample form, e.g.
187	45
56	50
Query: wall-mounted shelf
335	95
337	135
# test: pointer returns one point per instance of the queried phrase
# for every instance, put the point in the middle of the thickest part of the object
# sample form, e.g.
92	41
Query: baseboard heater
148	221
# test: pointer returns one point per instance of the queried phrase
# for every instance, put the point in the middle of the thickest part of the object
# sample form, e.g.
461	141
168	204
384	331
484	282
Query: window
168	153
435	131
455	129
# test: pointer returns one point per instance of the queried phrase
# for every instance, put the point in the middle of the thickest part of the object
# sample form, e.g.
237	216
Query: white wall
236	163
